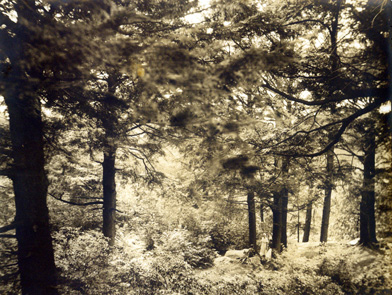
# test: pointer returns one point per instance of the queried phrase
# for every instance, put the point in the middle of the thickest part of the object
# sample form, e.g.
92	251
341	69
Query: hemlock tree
38	65
331	82
308	222
117	100
343	87
327	198
19	87
367	217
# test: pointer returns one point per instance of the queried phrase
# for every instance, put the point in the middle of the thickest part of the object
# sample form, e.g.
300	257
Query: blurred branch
5	172
336	137
381	93
309	20
8	236
8	227
74	203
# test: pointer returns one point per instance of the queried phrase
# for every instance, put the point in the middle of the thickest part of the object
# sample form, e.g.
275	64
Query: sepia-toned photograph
204	147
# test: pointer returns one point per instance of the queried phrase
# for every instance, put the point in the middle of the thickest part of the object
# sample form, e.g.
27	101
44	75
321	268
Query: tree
35	251
327	198
367	205
39	66
308	221
252	221
121	105
279	211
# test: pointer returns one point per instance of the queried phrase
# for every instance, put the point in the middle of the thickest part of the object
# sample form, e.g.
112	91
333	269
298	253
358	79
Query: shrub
339	272
195	250
82	258
226	235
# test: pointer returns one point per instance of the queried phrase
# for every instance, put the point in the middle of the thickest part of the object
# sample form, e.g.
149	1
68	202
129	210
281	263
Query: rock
223	259
237	254
254	261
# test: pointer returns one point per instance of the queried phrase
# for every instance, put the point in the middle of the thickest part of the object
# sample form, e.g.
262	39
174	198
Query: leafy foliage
251	84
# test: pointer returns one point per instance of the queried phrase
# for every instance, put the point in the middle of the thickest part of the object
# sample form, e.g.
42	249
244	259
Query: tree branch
8	227
5	172
307	21
8	236
74	203
344	124
368	92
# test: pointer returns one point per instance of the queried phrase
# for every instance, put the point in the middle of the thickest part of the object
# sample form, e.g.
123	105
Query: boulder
237	254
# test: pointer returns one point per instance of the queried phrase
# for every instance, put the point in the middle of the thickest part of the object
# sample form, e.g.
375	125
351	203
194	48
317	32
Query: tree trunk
277	223
285	201
308	221
367	212
109	194
35	251
109	160
327	198
279	212
252	221
333	84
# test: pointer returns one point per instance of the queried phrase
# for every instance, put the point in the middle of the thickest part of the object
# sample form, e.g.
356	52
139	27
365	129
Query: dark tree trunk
252	220
334	75
279	213
308	220
277	223
109	160
367	212
285	201
35	252
109	194
327	198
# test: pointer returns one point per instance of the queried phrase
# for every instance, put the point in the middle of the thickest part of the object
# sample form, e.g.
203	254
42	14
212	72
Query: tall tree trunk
277	223
298	223
35	251
285	201
334	83
327	198
367	212
308	220
279	212
109	160
109	194
252	220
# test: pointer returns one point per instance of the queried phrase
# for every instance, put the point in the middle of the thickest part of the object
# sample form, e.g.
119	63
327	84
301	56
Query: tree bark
109	122
367	218
279	212
327	198
308	220
334	78
252	221
285	201
277	223
35	251
109	194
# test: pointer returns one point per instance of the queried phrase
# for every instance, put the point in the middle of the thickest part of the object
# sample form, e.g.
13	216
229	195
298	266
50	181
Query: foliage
346	269
252	82
194	250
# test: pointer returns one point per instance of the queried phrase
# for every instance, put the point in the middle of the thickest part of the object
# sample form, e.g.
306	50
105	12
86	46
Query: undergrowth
175	266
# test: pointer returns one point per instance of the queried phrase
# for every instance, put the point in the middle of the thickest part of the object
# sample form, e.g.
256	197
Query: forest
195	147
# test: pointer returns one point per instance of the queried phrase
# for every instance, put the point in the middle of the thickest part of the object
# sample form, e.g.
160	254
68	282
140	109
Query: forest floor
344	262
